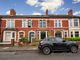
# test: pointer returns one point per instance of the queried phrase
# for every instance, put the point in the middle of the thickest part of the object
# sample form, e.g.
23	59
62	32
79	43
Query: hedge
73	39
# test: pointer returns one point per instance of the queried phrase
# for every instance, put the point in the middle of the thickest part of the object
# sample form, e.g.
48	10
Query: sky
38	7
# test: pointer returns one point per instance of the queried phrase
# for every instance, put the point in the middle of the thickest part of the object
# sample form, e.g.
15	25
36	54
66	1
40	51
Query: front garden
25	42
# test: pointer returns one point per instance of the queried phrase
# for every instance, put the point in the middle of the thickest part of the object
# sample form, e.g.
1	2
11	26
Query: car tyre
46	50
74	49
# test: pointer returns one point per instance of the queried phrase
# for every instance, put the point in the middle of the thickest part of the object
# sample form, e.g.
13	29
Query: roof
38	16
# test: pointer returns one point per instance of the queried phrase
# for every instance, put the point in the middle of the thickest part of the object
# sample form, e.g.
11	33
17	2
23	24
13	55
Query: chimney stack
46	12
12	12
70	12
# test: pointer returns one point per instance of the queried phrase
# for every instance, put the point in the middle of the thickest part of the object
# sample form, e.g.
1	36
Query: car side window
58	39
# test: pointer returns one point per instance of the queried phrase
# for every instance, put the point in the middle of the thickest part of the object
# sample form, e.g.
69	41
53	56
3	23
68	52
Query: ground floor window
21	35
76	33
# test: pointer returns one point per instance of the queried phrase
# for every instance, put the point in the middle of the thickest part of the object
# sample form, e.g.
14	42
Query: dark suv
48	45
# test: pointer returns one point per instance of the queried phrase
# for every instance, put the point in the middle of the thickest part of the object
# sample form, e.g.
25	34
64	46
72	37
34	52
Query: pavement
17	48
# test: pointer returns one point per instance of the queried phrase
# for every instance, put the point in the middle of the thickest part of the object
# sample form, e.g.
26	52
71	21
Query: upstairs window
71	22
57	23
75	22
24	23
29	23
42	23
10	24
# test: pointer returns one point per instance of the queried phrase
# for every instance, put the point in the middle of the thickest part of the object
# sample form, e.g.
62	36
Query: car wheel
74	49
46	50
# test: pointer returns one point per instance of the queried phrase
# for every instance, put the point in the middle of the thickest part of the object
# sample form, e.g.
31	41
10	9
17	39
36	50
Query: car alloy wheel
46	50
74	49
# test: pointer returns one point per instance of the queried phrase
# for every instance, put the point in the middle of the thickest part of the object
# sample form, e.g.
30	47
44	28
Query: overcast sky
38	7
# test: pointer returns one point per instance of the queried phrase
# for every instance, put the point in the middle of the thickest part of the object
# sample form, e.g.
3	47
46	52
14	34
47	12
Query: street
34	55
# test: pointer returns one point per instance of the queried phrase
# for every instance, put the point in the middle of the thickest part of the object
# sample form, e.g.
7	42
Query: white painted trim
73	23
10	23
11	35
26	23
40	34
77	20
55	22
29	33
42	20
35	18
23	34
31	23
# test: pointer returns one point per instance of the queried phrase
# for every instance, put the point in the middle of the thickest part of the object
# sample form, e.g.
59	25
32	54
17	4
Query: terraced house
38	26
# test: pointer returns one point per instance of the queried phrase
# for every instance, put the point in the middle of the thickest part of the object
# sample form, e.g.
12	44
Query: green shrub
73	39
23	40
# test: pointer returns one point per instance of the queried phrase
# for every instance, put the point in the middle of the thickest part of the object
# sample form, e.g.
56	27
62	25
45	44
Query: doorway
58	34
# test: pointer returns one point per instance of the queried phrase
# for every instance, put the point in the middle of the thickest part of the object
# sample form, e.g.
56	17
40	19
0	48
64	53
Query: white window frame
31	23
10	36
29	33
40	34
10	23
55	23
24	22
19	35
72	20
77	21
39	23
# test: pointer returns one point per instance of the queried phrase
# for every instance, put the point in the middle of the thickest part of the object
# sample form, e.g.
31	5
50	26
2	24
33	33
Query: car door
59	45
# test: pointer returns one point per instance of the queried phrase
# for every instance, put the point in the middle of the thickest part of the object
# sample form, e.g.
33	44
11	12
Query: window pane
29	23
10	24
21	34
71	22
75	22
24	23
42	23
57	23
76	34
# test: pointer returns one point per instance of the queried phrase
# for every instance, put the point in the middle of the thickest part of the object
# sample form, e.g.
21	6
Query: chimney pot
46	11
12	12
70	12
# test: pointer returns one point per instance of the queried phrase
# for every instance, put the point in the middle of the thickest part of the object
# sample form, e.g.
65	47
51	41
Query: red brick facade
38	32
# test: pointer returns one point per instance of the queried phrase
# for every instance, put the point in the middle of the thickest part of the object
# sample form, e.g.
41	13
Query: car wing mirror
64	41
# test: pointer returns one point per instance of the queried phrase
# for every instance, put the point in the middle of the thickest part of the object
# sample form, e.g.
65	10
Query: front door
7	36
31	36
43	35
58	34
